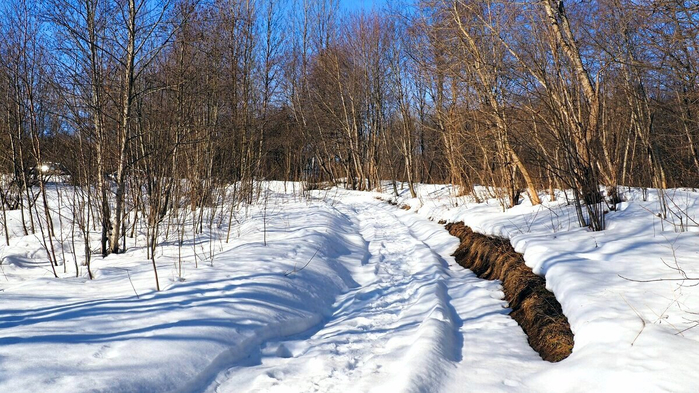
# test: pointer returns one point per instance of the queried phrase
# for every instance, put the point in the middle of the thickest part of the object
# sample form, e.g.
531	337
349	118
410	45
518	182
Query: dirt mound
535	308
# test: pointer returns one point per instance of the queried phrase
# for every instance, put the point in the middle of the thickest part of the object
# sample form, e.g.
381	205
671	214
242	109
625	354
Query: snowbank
629	335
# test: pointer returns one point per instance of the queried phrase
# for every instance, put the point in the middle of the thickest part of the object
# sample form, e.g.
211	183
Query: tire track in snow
495	355
395	332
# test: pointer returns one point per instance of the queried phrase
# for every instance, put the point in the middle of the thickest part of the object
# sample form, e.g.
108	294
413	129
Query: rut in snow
533	306
378	334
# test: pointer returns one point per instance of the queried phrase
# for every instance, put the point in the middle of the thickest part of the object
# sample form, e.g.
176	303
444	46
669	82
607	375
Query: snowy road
416	323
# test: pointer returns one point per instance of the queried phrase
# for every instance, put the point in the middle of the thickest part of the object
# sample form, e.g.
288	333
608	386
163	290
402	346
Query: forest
150	107
349	196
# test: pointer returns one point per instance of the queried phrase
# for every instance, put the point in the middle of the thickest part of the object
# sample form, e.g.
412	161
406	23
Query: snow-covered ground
340	291
629	335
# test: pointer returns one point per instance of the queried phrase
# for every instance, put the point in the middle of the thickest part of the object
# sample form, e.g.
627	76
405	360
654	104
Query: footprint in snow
275	374
511	383
103	352
283	352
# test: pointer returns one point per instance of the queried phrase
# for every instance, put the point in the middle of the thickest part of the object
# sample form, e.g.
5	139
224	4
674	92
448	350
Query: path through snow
417	322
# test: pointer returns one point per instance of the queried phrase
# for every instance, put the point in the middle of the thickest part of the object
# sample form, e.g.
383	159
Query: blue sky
353	5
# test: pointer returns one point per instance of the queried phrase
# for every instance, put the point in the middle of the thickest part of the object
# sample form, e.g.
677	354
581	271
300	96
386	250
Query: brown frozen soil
535	308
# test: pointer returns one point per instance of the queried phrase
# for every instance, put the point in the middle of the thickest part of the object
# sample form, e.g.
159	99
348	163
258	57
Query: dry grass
535	309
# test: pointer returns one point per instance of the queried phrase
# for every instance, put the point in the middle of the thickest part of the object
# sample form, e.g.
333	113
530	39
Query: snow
400	330
629	336
338	291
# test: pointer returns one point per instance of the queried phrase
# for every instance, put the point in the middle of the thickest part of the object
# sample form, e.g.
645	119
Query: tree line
159	107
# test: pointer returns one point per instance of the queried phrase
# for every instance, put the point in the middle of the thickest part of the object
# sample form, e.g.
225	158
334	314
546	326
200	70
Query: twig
663	316
684	330
639	316
131	282
287	274
660	279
